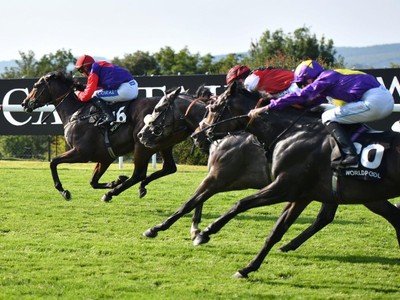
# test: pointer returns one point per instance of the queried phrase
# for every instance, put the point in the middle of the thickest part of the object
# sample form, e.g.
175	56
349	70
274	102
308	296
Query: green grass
86	249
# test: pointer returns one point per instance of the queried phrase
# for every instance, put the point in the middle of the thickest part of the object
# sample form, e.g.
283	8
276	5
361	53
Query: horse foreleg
388	211
280	228
325	216
71	156
169	167
197	199
98	171
266	196
196	220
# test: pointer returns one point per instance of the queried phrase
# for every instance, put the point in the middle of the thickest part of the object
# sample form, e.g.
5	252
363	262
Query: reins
219	122
62	97
279	136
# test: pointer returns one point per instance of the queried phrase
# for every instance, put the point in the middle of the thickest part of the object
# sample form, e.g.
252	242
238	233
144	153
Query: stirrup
105	121
350	161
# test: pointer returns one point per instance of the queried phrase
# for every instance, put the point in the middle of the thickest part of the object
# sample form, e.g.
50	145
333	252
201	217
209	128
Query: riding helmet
84	63
308	69
237	72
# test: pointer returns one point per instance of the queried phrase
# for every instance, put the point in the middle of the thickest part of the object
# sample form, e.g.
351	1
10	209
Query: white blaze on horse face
161	102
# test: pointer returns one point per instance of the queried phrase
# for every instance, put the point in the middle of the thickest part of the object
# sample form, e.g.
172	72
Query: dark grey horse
301	167
236	162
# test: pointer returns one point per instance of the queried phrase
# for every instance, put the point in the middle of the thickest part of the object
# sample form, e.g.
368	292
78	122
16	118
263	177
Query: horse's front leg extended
98	171
71	156
169	167
266	196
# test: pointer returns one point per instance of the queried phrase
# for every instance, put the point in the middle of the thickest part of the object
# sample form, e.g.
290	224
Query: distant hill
370	57
6	63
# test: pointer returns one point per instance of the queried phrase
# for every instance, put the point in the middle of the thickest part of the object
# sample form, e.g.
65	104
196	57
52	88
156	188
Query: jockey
105	83
271	82
237	73
362	99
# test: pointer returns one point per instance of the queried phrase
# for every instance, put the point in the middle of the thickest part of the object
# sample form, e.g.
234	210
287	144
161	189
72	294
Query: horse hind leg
287	218
388	211
99	170
325	217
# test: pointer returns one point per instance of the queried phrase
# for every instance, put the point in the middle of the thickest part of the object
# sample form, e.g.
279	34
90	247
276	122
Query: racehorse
234	163
90	143
300	149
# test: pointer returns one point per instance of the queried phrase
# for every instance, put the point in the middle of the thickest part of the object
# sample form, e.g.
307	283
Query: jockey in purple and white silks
362	99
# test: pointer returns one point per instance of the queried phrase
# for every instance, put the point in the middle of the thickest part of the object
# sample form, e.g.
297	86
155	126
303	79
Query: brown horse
234	162
301	148
90	143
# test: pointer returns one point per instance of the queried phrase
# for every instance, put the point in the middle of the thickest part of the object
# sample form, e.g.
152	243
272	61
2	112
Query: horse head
51	88
228	113
175	116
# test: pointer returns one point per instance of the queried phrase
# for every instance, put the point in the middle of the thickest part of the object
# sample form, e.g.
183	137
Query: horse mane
59	74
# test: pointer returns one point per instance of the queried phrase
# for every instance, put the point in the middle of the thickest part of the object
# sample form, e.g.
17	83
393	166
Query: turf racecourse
87	249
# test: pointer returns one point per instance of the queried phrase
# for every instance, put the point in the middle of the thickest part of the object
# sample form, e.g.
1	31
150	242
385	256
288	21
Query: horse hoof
397	205
285	249
194	233
150	233
66	195
106	198
200	239
239	275
142	192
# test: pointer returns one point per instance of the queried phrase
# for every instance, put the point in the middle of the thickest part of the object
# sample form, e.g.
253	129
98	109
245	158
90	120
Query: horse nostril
140	135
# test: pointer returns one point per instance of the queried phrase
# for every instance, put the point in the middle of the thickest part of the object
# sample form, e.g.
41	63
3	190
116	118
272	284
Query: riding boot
350	158
109	117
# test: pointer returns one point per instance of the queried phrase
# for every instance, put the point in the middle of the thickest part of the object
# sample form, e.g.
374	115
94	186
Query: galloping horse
301	167
90	143
234	163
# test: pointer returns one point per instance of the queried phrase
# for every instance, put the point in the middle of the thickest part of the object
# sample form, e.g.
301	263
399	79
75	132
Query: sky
115	28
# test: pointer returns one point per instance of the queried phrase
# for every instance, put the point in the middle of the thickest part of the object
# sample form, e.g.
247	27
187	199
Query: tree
28	66
182	62
138	63
287	50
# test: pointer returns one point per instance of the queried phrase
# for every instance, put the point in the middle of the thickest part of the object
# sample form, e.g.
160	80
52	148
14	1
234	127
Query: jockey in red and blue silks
106	82
362	99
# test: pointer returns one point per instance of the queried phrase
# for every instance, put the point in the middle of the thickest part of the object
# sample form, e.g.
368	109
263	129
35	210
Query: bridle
32	104
209	128
158	129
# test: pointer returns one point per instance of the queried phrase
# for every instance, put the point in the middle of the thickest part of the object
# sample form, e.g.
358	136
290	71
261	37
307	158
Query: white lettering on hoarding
17	107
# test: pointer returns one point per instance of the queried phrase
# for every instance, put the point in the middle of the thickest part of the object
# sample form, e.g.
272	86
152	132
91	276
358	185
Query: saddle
94	114
371	146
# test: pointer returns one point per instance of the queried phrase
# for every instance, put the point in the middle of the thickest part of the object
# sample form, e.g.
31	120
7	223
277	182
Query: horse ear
173	94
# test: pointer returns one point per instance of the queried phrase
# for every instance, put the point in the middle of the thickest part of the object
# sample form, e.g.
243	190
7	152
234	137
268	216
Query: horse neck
67	107
278	124
194	115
